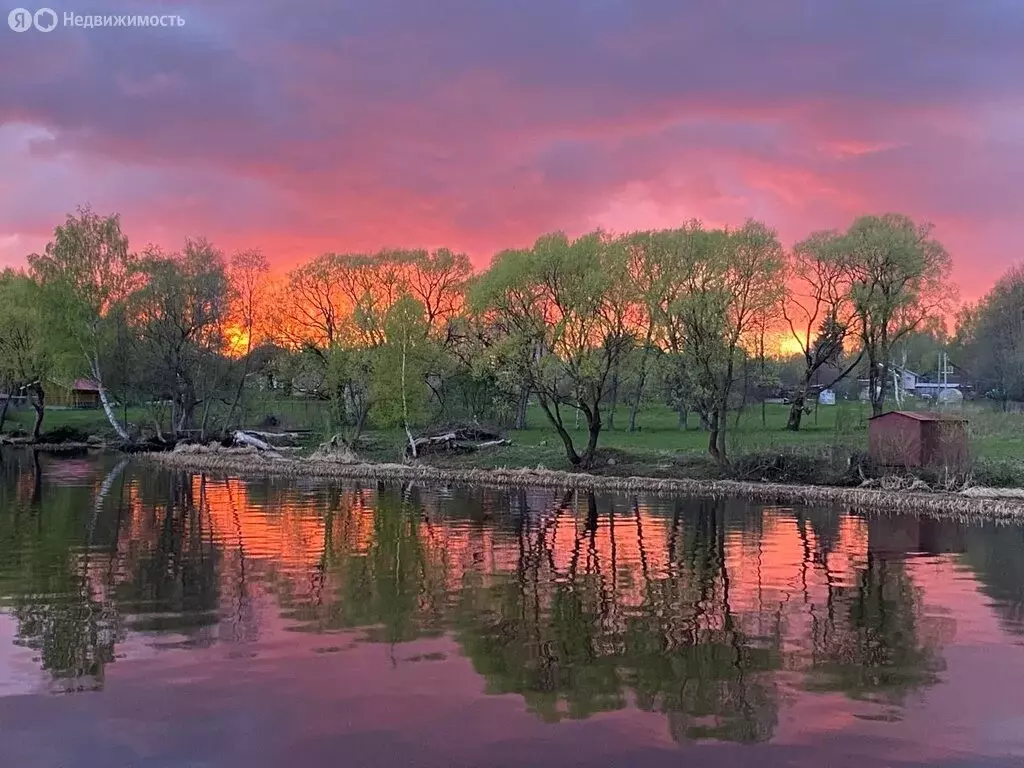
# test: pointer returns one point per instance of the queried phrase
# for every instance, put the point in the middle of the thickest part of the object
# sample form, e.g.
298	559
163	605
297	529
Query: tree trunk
684	418
159	429
877	382
521	406
184	418
570	450
405	402
206	419
722	424
593	432
357	430
713	435
108	409
762	383
640	382
237	398
796	412
615	397
3	411
39	404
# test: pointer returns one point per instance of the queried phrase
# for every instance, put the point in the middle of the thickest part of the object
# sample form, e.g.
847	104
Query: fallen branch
244	438
273	437
458	440
491	443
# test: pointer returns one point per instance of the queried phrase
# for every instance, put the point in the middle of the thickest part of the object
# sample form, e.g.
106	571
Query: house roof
85	385
916	416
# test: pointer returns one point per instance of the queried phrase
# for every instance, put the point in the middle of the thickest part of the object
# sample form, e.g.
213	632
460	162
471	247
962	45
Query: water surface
169	619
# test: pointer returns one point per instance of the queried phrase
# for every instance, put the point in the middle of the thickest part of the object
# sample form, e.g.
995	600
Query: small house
907	439
80	393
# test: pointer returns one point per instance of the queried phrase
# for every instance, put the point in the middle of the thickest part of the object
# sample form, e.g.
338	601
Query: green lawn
91	420
658	447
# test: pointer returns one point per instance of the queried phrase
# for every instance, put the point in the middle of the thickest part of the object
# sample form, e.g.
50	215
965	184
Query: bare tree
818	310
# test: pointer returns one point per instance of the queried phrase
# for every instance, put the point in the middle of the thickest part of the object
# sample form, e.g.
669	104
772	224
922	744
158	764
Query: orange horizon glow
237	340
787	345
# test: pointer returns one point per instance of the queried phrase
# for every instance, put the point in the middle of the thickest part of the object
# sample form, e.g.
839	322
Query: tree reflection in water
712	614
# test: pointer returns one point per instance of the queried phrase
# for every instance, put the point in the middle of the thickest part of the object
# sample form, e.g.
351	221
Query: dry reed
961	506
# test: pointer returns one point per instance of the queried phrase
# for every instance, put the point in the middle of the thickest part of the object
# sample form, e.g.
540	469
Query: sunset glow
237	340
358	126
787	345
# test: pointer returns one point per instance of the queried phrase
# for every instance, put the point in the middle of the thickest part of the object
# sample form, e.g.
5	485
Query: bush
787	467
998	473
63	435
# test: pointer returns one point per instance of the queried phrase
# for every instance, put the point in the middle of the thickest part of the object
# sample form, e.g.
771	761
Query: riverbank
961	505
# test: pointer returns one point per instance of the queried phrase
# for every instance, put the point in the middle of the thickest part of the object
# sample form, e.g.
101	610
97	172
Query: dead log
455	441
274	438
492	443
244	438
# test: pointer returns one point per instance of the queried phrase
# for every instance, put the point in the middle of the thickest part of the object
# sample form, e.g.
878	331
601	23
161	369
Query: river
159	618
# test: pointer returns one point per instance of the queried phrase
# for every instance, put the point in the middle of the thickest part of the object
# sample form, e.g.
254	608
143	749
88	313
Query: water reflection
717	616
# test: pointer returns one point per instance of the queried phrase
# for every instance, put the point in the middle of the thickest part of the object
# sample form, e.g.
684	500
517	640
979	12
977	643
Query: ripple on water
727	621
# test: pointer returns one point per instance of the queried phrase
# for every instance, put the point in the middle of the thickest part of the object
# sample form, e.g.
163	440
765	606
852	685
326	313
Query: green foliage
86	272
559	321
990	338
25	353
898	275
579	326
178	316
728	284
399	387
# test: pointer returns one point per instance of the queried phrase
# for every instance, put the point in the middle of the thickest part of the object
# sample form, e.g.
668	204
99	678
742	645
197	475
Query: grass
658	449
91	420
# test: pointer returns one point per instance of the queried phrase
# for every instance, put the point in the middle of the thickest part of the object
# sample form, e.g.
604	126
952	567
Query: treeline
402	338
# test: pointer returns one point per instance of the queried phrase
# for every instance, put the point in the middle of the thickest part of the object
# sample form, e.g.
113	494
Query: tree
248	277
403	357
898	275
437	280
818	310
990	338
86	272
311	306
350	379
647	253
182	310
562	328
25	358
727	281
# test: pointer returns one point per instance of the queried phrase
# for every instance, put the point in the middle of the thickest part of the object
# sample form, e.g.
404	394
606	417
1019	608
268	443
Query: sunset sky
323	125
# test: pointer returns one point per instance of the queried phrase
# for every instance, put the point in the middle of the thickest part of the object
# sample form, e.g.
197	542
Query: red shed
906	439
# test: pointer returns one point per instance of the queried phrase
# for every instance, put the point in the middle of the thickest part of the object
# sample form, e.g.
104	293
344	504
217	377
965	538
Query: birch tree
86	272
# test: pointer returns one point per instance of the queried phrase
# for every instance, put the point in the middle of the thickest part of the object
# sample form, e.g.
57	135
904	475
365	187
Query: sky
306	126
